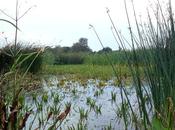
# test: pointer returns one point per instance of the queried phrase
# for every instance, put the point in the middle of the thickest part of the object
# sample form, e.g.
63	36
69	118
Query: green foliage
116	57
69	58
81	46
67	55
48	57
13	113
7	58
105	50
96	59
6	62
35	60
157	125
85	71
154	49
83	114
36	65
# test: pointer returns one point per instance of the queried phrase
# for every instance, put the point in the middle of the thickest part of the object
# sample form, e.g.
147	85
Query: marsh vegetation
74	88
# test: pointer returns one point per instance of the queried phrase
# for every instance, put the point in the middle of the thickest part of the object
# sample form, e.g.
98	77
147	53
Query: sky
64	22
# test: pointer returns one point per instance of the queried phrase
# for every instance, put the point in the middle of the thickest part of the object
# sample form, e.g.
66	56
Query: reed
158	67
14	111
83	114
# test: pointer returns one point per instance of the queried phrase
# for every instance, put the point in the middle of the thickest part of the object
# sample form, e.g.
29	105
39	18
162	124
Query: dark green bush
48	57
70	58
5	61
35	58
7	58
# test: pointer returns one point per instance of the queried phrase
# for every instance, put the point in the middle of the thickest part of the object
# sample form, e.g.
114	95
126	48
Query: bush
35	58
48	57
70	58
116	57
6	61
7	58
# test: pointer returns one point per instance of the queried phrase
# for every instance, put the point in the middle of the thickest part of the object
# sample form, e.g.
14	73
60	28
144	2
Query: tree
66	49
81	46
106	49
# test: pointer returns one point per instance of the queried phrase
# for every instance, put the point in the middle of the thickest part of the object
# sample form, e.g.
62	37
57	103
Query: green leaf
157	125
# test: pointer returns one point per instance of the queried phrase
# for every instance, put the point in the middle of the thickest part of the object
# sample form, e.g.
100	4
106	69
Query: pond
95	104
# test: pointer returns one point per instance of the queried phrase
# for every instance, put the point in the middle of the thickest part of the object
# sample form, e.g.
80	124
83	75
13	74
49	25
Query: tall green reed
154	44
158	65
123	92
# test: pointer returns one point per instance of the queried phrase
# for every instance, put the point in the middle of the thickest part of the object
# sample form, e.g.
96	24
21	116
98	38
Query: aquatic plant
97	93
98	109
156	42
88	100
74	91
61	82
113	96
80	126
83	114
91	102
45	98
56	98
14	111
60	117
108	127
101	83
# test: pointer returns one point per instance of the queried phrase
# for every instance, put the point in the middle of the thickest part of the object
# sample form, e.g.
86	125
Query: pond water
102	111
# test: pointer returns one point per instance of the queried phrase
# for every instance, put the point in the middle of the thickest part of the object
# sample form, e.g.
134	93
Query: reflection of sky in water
78	100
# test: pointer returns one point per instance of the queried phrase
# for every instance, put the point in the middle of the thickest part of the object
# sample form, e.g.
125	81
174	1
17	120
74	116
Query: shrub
70	58
35	58
7	58
48	57
5	61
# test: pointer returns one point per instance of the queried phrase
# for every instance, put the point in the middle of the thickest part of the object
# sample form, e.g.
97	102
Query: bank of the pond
88	71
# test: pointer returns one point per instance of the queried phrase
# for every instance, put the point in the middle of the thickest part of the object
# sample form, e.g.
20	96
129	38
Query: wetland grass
113	96
157	38
155	44
14	110
158	69
83	114
84	71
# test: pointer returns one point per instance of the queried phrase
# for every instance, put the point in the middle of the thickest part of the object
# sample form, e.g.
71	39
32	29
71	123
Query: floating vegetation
109	127
80	126
92	104
61	82
98	92
98	109
101	83
113	96
83	114
74	91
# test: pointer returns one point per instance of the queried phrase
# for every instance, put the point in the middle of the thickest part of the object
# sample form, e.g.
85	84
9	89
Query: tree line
76	54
